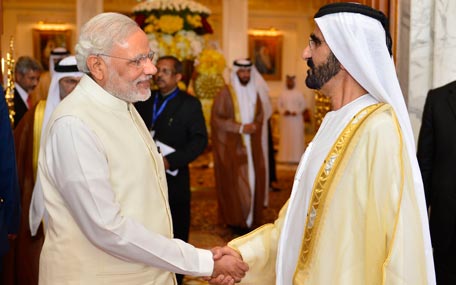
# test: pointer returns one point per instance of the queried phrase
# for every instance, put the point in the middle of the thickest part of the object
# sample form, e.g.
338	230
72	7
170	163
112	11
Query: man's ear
179	77
97	67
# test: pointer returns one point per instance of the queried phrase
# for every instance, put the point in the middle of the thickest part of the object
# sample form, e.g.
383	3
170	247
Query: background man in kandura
240	153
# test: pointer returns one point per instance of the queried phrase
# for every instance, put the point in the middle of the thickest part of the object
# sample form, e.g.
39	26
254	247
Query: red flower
206	26
140	19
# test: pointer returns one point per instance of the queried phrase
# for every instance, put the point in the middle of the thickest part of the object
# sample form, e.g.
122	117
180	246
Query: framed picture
266	54
44	41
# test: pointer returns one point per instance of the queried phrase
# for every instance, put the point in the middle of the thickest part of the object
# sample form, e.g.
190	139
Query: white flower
185	44
177	5
153	43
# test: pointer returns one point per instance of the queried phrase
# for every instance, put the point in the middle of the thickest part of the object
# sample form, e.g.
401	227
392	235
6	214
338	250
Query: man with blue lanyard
176	123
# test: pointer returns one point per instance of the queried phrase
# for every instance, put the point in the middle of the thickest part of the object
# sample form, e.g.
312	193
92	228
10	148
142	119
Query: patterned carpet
206	230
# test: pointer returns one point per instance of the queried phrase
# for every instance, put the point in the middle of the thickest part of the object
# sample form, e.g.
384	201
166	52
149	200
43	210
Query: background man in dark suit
175	120
436	157
9	186
27	74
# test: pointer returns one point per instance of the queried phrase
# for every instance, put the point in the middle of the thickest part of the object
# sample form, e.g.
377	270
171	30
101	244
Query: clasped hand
249	128
228	266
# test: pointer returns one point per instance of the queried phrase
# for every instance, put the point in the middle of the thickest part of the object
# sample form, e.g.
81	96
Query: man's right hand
249	128
228	266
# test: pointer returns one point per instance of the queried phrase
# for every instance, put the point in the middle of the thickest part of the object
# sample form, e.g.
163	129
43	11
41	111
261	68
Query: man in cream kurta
103	179
356	214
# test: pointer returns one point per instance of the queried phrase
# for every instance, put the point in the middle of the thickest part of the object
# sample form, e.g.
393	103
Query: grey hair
100	34
27	63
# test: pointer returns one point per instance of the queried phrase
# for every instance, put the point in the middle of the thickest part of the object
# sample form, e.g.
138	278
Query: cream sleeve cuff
206	262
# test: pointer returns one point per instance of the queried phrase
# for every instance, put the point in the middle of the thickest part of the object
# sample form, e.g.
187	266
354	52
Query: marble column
85	10
426	54
235	29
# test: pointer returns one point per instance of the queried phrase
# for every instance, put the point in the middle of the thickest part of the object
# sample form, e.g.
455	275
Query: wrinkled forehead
136	43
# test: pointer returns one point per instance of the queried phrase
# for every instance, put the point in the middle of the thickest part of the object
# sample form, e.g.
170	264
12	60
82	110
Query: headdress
360	9
66	67
57	54
290	77
242	63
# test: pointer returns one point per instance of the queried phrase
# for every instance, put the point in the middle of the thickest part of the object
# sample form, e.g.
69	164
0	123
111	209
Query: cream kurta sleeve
259	251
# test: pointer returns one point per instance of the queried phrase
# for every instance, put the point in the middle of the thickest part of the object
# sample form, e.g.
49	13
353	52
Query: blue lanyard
156	113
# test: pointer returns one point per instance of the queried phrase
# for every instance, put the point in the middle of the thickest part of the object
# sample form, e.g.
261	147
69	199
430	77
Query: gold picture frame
44	41
266	53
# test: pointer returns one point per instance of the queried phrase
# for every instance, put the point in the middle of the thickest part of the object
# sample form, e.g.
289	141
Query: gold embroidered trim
237	110
37	129
320	188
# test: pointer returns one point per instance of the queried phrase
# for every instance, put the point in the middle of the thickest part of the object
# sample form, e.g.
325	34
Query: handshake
229	268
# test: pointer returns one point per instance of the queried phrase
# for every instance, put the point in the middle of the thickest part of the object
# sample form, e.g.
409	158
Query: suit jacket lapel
19	107
18	102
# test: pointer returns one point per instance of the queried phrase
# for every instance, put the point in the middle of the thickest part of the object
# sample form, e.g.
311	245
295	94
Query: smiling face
124	78
323	65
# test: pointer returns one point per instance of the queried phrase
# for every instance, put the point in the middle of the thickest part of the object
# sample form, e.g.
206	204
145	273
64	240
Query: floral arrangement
174	27
210	66
210	61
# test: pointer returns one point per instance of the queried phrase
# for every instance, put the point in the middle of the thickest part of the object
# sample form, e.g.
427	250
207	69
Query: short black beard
244	82
318	76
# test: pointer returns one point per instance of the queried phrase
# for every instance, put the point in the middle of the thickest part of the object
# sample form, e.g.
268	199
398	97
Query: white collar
24	95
